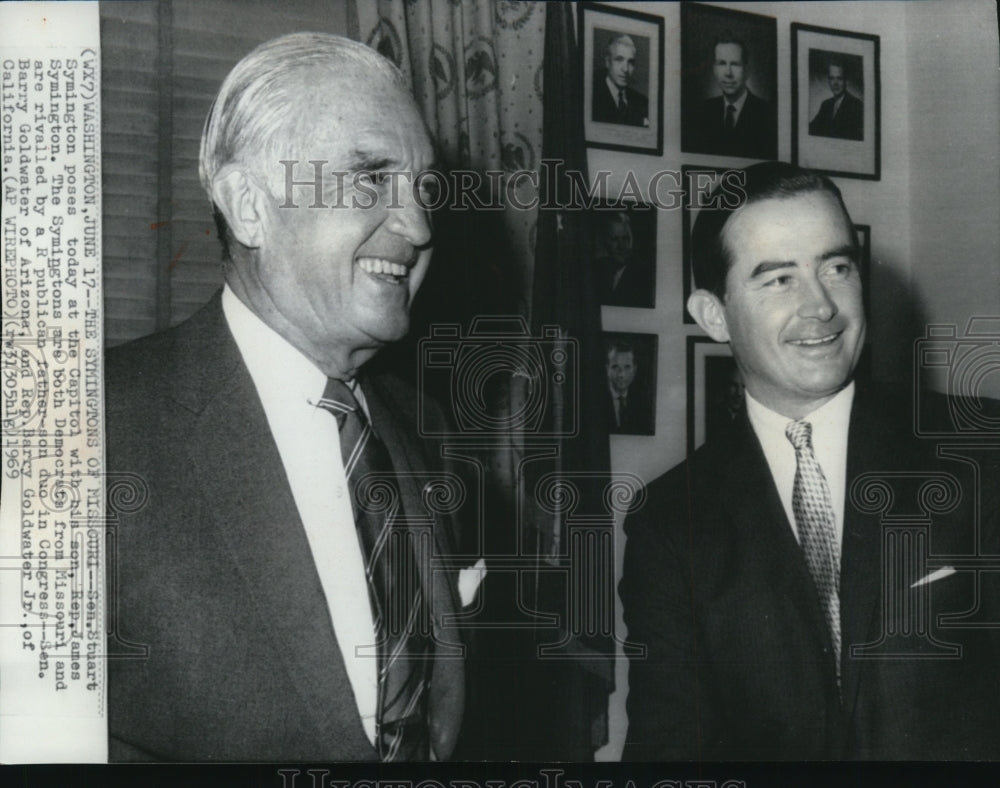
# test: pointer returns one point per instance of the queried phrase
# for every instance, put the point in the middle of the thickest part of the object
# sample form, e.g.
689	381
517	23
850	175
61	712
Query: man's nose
409	219
816	301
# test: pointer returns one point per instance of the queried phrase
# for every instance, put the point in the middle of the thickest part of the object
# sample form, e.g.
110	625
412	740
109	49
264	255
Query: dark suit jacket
605	110
635	287
215	575
755	135
638	414
848	124
739	663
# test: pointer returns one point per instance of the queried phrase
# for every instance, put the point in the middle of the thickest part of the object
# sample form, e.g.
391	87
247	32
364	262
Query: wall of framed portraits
916	164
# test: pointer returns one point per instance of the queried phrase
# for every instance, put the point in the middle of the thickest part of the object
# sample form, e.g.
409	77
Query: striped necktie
400	614
813	509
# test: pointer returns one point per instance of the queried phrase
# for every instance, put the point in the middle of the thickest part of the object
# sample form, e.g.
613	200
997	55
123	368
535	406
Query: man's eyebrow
361	160
765	267
768	265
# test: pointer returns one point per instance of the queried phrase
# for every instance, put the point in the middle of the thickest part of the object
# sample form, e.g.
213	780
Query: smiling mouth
384	270
829	339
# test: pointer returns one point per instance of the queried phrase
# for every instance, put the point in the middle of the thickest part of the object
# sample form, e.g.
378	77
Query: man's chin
389	331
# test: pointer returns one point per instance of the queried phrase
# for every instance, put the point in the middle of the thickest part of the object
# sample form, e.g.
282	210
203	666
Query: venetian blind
163	64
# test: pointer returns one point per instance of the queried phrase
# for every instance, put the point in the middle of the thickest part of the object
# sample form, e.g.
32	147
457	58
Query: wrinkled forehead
729	51
621	49
351	110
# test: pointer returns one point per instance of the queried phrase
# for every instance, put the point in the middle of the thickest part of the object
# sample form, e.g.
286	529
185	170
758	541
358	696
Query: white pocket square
937	574
469	580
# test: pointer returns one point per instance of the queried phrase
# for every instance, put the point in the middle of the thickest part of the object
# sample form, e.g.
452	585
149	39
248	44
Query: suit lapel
411	467
755	507
245	483
447	694
869	448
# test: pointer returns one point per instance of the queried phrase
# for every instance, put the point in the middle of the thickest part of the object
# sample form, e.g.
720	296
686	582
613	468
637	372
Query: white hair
624	39
261	104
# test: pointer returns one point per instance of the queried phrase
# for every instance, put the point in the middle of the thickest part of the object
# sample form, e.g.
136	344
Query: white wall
953	70
933	213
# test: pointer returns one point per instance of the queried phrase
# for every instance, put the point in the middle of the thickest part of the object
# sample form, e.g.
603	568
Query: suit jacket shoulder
716	586
217	592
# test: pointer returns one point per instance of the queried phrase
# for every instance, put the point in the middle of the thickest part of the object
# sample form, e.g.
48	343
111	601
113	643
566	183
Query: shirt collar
738	104
831	417
279	370
615	90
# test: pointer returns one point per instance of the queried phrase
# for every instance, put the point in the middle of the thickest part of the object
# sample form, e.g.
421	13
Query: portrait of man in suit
627	266
279	581
759	583
724	396
736	122
842	115
629	364
615	98
728	82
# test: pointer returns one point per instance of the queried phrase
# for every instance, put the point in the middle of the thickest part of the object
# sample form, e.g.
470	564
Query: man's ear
243	202
709	313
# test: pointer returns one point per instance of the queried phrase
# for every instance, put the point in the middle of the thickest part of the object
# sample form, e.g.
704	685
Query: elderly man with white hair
286	582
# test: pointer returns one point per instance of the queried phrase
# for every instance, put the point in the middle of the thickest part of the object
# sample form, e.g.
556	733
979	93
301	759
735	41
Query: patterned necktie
400	615
621	100
811	503
730	117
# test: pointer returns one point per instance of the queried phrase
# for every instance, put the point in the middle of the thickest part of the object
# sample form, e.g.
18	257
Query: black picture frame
848	142
625	277
714	400
703	105
640	416
626	128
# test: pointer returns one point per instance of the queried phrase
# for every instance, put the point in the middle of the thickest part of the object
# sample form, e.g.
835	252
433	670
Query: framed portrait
729	82
699	183
622	70
836	104
624	243
715	399
630	382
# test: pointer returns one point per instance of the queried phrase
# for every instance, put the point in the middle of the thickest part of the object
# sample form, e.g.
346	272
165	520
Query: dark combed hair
618	346
729	37
710	258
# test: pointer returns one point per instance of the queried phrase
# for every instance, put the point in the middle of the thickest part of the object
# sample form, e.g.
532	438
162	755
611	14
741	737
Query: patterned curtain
476	69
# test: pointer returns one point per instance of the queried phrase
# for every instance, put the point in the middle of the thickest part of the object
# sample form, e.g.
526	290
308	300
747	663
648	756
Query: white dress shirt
830	424
289	385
